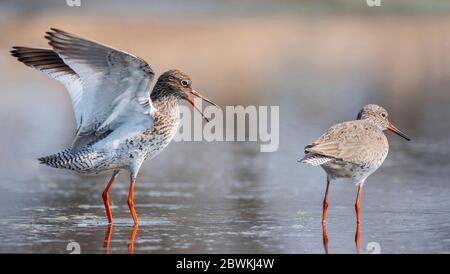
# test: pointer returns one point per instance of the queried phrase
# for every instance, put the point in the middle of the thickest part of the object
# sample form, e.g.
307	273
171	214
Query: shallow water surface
247	206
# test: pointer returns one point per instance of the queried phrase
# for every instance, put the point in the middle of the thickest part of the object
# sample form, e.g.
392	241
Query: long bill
191	101
392	128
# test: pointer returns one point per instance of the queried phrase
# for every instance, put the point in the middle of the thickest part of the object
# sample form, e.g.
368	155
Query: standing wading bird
119	122
352	150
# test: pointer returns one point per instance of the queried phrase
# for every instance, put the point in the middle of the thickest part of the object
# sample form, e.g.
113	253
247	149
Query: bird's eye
185	83
384	115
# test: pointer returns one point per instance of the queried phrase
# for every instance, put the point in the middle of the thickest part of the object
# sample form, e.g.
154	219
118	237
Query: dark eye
384	115
185	83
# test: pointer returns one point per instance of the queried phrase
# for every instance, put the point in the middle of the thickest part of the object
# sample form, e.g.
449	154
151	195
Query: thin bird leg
131	241
325	237
131	203
357	239
324	218
358	205
358	219
325	203
105	196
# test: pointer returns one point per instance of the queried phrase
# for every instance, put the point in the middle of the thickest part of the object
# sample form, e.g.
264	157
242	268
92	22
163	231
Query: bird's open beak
190	100
392	128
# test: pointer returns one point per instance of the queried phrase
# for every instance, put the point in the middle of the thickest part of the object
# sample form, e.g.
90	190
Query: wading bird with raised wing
120	120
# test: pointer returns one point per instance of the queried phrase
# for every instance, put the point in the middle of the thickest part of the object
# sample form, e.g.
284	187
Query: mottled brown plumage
352	150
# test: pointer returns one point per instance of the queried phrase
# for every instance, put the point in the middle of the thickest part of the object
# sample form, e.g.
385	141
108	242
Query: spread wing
49	62
344	141
109	88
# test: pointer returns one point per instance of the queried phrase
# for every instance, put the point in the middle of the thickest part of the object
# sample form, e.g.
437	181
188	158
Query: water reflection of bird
352	150
106	243
119	122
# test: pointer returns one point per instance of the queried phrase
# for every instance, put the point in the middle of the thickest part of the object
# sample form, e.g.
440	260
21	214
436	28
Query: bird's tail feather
81	160
314	159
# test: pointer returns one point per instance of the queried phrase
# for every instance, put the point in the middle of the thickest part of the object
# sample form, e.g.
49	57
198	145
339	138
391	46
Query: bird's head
179	84
378	116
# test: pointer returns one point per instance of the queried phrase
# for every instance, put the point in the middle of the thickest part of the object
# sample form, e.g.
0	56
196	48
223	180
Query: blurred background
320	61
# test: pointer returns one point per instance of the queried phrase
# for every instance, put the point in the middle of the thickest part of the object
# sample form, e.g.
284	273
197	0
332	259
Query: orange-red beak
392	128
191	101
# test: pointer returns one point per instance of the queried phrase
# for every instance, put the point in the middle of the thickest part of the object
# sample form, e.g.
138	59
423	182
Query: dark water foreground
246	207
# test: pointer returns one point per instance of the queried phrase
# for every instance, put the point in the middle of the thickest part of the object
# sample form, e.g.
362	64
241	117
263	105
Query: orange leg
324	218
325	204
105	196
325	237
131	241
131	203
107	238
358	219
357	239
358	205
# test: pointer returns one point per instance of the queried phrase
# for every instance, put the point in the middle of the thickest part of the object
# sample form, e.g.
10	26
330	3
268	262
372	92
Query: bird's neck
166	106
